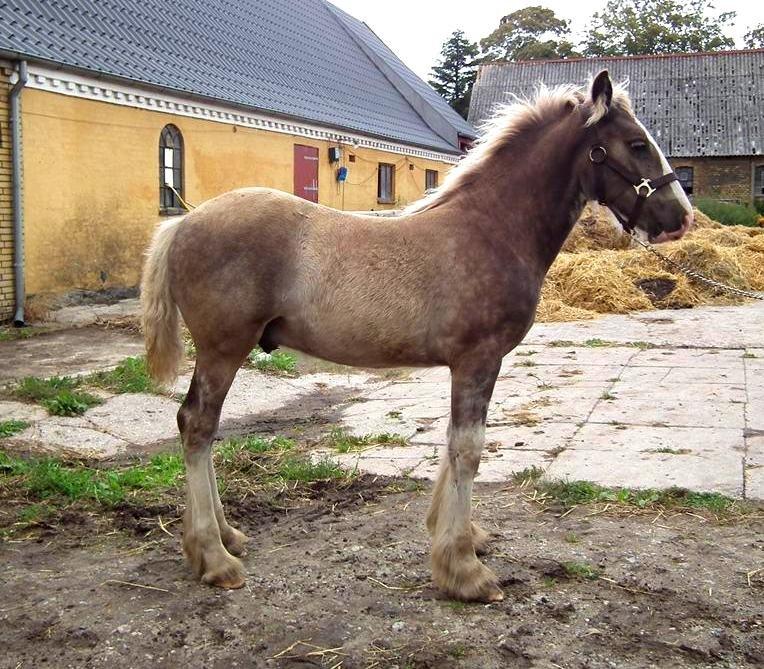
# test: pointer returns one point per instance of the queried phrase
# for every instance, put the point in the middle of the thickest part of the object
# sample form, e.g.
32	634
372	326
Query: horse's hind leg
456	569
198	421
234	540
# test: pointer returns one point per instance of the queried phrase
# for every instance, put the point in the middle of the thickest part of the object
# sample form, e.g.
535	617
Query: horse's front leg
455	566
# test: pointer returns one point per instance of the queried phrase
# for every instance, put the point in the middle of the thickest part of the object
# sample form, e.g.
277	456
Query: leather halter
643	186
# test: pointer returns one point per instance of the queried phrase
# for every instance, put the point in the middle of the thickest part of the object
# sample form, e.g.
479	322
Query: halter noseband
643	186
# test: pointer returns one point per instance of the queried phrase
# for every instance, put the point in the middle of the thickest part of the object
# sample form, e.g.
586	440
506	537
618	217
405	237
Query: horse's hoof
228	574
235	542
480	539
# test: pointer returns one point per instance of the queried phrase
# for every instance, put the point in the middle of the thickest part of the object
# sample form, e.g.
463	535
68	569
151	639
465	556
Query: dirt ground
340	578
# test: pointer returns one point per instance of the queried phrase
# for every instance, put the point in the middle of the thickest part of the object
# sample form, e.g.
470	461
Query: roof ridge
418	102
641	56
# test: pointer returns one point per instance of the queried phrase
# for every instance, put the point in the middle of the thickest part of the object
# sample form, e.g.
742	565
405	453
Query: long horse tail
160	317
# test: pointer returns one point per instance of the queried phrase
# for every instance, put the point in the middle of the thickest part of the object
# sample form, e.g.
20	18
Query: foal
454	281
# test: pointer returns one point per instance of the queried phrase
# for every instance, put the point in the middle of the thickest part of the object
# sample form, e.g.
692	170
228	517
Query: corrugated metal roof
706	104
299	58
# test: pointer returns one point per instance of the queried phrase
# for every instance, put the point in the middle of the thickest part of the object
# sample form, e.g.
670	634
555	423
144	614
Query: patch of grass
602	343
643	345
68	403
572	538
10	427
608	396
34	513
59	395
303	469
11	333
582	570
49	478
525	353
728	213
749	355
129	376
672	451
577	493
597	343
231	448
278	362
396	415
525	363
545	386
343	442
528	474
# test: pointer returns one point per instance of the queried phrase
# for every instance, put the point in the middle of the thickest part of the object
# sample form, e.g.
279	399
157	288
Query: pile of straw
600	272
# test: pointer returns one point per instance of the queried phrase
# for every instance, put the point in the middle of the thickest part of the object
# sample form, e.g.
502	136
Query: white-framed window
170	169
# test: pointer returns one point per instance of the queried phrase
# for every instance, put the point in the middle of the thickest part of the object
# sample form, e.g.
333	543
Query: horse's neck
527	195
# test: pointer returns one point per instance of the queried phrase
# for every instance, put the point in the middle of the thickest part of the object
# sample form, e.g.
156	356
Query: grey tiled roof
707	104
299	58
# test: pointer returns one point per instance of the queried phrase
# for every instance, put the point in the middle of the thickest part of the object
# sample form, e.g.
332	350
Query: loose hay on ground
600	272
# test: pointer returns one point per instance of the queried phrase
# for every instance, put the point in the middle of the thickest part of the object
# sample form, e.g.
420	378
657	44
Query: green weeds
49	478
278	362
342	442
59	395
10	427
576	493
581	570
129	376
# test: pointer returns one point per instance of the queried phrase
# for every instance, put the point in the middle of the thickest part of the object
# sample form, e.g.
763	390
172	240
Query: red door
306	172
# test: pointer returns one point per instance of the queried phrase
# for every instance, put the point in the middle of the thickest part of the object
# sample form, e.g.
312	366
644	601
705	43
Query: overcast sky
416	29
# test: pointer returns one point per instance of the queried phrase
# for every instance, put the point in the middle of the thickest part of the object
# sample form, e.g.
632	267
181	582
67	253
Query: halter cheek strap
643	186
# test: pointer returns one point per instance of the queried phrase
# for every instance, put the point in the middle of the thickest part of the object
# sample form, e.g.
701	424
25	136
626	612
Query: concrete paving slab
638	439
699	405
21	411
695	358
711	472
754	467
66	353
68	438
138	419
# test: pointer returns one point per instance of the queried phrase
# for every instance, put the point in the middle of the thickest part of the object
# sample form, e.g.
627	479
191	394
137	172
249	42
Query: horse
453	281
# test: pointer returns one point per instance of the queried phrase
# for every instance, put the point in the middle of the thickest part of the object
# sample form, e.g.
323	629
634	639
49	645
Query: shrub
728	213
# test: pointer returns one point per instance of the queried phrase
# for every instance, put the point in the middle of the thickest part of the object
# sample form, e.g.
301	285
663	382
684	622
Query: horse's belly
359	343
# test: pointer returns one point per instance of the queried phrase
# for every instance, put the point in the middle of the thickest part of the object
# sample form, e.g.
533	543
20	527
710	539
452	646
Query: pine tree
455	72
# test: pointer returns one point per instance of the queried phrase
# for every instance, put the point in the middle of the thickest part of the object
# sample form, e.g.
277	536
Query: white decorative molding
75	85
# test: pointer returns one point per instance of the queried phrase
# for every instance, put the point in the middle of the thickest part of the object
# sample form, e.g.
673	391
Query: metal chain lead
692	273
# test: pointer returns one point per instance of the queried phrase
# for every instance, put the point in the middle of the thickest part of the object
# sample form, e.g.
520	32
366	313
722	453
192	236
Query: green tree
632	27
754	39
532	33
454	74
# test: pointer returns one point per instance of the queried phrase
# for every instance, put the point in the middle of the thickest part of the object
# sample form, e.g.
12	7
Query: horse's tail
160	317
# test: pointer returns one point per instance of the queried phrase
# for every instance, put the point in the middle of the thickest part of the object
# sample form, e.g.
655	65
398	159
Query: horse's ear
602	96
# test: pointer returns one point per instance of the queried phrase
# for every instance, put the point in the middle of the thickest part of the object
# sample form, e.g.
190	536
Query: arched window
170	170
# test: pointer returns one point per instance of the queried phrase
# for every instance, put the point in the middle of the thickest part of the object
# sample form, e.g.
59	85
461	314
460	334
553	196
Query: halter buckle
645	183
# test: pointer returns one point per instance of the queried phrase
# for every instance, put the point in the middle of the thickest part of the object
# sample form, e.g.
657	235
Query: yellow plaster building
105	156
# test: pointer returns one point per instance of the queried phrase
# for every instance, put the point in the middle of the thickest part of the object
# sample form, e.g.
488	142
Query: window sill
379	201
172	211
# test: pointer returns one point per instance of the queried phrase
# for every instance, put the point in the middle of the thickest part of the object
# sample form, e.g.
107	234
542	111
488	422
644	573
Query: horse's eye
639	146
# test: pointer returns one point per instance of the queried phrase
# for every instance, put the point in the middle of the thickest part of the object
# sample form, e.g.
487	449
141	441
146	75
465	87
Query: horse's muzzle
676	234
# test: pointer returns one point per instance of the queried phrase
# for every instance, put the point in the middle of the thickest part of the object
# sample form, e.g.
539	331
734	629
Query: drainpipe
18	213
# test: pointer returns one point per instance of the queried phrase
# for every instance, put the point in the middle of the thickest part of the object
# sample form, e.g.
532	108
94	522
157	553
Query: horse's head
625	169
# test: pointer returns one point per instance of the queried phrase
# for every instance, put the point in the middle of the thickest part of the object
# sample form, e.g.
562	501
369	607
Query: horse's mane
510	120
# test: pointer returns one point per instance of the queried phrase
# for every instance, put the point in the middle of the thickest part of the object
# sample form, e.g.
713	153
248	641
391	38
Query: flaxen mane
509	121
